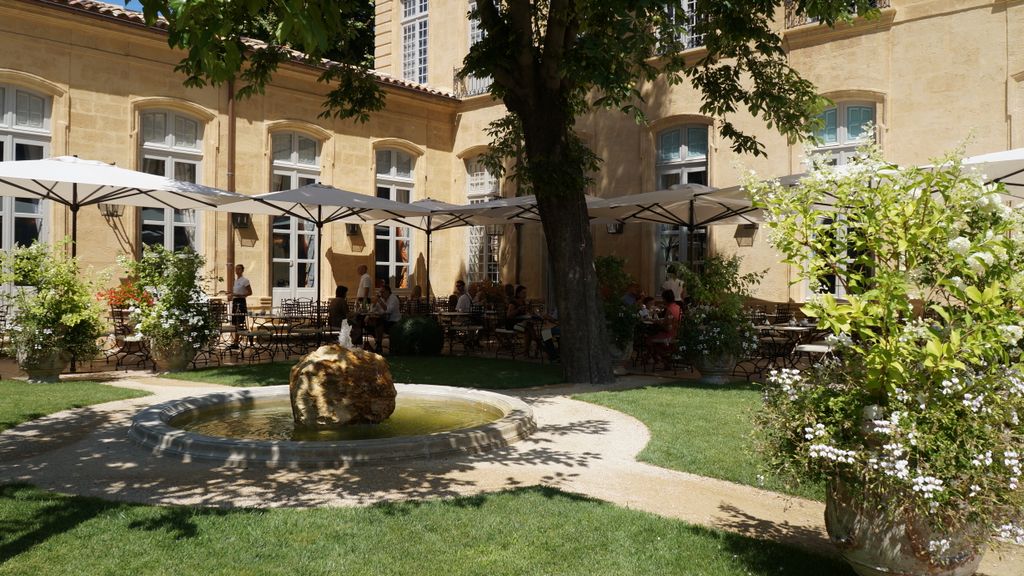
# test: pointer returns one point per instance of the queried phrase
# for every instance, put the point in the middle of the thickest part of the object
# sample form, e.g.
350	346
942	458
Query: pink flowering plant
178	313
922	399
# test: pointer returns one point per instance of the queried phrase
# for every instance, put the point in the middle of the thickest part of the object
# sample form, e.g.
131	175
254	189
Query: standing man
464	302
239	292
365	284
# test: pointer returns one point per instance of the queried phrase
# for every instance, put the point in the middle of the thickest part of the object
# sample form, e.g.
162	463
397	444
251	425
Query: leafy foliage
179	313
716	324
612	281
417	335
53	306
924	397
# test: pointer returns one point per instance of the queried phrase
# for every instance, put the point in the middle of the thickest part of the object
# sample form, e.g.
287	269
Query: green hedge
417	336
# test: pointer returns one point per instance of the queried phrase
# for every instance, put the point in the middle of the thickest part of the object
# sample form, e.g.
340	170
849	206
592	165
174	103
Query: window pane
403	250
305	180
280	275
402	195
282	144
828	134
154	129
282	247
28	151
668	180
381	274
856	118
307	247
382	247
403	165
307	151
186	132
306	275
383	192
401	277
184	237
154	166
3	117
282	222
305	226
153	215
185	171
26	230
185	216
279	182
26	206
697	177
153	234
668	146
696	142
28	110
383	162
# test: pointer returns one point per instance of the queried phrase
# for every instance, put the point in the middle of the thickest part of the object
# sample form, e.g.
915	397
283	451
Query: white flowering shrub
180	312
923	398
716	324
53	308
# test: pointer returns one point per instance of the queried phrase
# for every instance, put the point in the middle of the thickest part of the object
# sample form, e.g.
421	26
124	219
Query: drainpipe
229	243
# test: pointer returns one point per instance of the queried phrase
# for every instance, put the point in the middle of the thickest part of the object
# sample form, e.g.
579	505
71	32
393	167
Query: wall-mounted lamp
745	235
241	221
615	228
111	210
352	229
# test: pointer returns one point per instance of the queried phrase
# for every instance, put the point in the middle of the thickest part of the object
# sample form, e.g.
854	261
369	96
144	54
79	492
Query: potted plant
915	421
55	317
620	317
126	295
715	331
177	322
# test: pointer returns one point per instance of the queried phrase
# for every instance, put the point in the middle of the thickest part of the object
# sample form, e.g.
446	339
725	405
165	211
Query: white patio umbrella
322	204
1006	167
688	205
75	182
515	210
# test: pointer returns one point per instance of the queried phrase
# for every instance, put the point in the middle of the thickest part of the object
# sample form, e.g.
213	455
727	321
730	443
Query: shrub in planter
55	316
416	336
620	318
920	409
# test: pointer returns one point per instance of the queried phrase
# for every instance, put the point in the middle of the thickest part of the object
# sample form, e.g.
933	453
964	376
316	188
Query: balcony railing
470	85
793	19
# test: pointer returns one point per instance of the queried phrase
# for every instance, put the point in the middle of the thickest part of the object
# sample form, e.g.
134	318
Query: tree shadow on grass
58	514
697	385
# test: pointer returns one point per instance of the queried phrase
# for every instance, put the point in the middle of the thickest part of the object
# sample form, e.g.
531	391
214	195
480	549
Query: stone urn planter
878	544
45	367
715	369
173	357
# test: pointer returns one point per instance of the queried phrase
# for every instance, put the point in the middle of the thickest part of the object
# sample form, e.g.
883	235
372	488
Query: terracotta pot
173	357
716	369
877	544
46	368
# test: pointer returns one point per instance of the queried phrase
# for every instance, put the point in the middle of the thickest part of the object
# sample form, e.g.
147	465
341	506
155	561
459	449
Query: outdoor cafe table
778	341
278	325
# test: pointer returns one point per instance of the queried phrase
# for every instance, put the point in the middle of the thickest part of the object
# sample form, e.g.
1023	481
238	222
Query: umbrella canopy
75	182
687	205
516	210
1006	167
322	204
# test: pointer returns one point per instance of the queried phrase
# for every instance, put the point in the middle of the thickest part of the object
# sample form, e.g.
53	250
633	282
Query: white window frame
399	187
688	16
11	135
484	241
297	173
690	166
415	48
171	154
845	147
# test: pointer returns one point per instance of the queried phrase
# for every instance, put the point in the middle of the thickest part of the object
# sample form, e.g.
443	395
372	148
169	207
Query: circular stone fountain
429	422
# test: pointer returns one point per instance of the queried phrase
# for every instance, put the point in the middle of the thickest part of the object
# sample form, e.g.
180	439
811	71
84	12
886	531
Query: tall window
484	241
414	40
472	85
24	135
295	162
682	159
393	244
171	147
844	130
687	18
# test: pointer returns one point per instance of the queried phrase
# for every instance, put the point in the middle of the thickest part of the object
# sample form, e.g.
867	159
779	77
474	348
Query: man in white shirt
365	284
239	292
465	301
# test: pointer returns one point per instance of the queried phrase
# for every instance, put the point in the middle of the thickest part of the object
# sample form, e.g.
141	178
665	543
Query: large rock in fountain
334	386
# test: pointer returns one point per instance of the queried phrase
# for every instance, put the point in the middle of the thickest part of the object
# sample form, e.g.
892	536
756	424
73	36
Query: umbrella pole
428	258
319	264
74	246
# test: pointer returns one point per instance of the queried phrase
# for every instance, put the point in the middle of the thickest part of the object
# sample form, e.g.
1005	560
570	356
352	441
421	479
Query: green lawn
702	429
526	531
22	401
462	371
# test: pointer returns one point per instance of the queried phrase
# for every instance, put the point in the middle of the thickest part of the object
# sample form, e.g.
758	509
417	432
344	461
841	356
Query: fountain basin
154	428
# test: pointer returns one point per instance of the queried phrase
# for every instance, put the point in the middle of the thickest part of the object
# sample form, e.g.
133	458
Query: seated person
338	309
464	303
390	311
646	311
662	342
518	308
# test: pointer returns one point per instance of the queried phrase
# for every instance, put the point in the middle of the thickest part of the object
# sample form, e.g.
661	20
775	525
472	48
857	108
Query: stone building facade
84	78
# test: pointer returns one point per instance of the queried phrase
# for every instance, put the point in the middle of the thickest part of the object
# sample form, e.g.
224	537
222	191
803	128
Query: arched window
24	135
295	162
484	241
844	130
171	146
393	244
682	158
